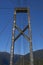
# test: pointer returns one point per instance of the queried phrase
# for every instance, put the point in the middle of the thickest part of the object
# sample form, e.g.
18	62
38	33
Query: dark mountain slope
38	58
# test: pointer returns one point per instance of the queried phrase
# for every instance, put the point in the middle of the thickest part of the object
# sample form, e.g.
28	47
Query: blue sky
6	23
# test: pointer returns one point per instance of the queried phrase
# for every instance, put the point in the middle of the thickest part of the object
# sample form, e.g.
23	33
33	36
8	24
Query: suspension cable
4	28
7	43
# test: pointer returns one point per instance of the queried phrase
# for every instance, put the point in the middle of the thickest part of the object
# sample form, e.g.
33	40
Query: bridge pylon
29	38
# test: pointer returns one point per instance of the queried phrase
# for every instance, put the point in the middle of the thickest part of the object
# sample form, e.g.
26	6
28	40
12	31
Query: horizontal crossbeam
21	33
21	10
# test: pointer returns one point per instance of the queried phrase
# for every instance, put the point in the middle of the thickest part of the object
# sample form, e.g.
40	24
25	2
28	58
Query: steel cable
5	27
7	44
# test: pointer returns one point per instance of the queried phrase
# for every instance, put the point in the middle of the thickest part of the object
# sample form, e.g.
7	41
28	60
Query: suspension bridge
24	29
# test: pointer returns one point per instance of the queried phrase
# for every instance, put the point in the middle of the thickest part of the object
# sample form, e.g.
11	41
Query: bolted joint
14	21
12	37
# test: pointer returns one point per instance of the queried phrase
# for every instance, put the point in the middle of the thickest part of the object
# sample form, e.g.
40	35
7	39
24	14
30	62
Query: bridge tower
29	39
